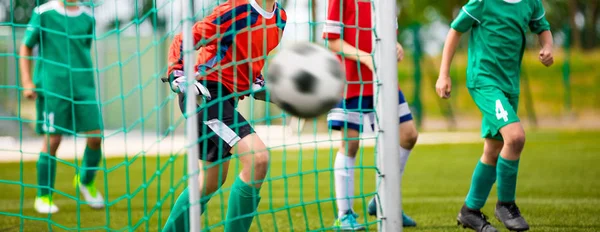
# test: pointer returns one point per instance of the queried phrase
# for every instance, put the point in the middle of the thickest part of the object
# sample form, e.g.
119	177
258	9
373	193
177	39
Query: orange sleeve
204	31
175	57
283	15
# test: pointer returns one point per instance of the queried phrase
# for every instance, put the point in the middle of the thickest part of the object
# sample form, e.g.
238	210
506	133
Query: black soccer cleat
474	219
509	214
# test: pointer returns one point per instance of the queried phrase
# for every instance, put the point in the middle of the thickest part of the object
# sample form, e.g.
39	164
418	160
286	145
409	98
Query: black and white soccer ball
305	80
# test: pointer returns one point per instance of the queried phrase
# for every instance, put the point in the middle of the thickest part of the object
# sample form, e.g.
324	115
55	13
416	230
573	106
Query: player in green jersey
65	94
496	47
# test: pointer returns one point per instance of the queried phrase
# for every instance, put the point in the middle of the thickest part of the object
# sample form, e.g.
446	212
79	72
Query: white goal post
189	58
386	120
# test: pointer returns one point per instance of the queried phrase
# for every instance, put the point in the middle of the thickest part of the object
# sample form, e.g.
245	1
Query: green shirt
64	38
497	39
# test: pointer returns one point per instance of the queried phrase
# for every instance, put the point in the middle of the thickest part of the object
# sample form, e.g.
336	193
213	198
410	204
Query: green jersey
64	38
497	39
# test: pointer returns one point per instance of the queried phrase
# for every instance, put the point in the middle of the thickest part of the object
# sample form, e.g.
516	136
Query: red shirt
350	20
234	43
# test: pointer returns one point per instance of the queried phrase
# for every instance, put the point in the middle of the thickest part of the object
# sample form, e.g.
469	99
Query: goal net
144	165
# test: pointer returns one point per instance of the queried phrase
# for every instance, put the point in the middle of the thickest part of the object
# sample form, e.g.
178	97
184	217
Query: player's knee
261	162
51	144
492	152
212	186
514	137
515	140
408	139
55	142
94	143
350	147
490	156
408	135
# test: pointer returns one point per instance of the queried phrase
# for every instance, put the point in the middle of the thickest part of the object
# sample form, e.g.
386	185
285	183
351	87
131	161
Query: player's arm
204	30
332	33
201	31
540	26
348	51
25	66
443	85
547	43
30	40
470	15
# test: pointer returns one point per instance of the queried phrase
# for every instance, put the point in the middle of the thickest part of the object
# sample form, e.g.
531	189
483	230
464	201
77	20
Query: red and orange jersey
350	20
233	43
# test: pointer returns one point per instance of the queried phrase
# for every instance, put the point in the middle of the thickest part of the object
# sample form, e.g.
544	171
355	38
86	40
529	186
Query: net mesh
143	166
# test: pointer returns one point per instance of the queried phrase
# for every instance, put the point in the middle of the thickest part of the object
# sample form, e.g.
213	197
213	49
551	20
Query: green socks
241	206
91	160
179	219
507	179
484	177
46	170
46	174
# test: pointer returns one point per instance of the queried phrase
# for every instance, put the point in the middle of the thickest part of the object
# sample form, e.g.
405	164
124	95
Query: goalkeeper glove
258	90
178	83
259	83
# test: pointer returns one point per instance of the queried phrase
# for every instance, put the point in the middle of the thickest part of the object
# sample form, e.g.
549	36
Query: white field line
135	143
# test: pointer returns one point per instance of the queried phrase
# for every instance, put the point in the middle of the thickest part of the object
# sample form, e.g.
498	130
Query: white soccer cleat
44	205
91	195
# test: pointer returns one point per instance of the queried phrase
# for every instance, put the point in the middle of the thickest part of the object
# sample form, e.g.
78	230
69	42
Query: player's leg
88	120
508	165
345	161
53	120
408	138
483	178
213	122
92	155
210	178
344	165
484	175
244	196
46	174
347	118
245	192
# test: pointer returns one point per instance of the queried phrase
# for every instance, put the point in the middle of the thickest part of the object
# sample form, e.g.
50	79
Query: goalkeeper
65	94
495	53
239	34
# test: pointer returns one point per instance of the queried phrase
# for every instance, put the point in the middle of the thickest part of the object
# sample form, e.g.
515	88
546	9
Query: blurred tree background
580	16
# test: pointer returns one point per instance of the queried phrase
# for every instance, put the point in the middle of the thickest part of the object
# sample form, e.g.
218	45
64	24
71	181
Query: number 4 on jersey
500	112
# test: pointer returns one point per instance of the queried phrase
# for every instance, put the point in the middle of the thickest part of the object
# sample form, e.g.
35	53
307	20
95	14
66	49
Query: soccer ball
305	80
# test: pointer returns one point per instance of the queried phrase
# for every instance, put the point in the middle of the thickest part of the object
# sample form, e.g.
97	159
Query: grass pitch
558	189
